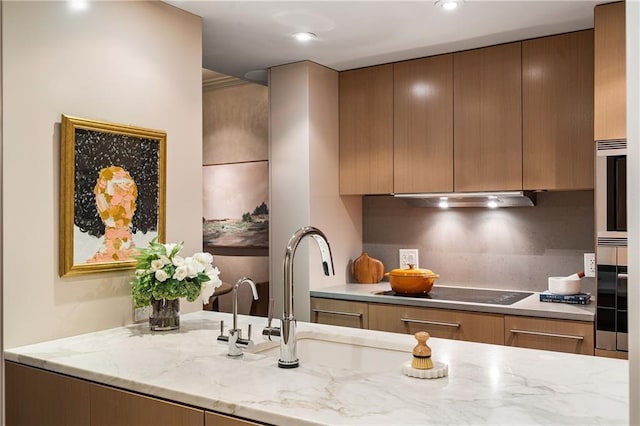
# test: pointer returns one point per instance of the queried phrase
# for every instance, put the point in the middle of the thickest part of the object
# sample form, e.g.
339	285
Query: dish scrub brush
422	353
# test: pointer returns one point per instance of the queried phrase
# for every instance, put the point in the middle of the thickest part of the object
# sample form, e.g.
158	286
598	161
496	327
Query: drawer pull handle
539	333
347	314
623	275
445	324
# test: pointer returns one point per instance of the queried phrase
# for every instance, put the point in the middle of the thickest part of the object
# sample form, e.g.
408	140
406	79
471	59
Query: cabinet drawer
340	312
448	324
549	334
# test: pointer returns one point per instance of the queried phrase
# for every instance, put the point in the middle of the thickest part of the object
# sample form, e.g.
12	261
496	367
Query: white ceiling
244	36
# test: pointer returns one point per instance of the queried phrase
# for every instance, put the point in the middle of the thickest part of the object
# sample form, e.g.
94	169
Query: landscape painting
236	212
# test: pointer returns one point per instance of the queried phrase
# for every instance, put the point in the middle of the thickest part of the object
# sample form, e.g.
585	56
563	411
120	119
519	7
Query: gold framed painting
112	194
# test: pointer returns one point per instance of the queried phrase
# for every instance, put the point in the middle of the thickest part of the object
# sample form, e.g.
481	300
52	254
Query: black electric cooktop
471	295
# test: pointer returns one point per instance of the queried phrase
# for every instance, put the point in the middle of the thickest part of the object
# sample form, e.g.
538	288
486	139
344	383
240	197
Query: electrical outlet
589	265
141	314
408	256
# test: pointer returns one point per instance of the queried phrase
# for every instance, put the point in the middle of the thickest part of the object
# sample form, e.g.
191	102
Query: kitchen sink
465	294
323	350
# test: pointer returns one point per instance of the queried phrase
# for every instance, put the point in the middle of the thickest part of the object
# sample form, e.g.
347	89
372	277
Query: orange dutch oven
412	280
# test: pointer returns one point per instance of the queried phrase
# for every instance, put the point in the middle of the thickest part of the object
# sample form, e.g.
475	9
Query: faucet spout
288	350
235	297
234	339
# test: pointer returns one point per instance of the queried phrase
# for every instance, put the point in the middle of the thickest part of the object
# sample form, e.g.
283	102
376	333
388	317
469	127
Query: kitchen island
486	384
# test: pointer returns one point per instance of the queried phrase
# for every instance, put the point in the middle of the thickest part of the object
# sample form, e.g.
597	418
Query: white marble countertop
530	306
487	384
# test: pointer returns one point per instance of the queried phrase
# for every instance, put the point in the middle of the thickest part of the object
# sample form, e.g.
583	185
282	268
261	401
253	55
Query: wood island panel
111	406
216	419
38	397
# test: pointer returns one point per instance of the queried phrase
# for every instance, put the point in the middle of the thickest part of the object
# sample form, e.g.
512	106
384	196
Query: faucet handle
222	327
249	332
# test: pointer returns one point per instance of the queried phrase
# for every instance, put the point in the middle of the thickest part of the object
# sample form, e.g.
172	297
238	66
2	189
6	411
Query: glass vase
165	314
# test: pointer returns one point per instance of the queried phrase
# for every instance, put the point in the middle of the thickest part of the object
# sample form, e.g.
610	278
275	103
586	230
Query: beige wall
303	164
235	124
129	62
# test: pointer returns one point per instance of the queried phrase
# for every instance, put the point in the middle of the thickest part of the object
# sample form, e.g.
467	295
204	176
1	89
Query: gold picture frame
112	194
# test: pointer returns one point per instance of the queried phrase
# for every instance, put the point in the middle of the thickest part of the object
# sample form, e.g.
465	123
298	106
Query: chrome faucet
234	339
287	331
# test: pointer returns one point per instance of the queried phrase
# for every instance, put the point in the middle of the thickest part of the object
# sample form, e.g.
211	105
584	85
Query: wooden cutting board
367	270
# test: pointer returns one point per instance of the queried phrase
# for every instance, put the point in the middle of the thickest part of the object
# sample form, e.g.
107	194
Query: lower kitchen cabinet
445	323
340	312
38	397
526	332
215	419
549	334
111	406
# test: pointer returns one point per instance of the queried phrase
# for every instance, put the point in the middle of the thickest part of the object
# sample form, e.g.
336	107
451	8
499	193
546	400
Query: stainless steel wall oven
611	253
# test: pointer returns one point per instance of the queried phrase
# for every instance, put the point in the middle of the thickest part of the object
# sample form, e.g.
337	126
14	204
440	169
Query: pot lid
412	272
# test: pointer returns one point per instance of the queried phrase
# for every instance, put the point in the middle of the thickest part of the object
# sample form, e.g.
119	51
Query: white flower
140	272
165	260
161	275
181	273
156	264
169	248
207	288
178	260
214	278
204	258
193	266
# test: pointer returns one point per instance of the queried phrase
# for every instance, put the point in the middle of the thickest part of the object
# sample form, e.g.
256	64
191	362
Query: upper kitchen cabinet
557	110
366	130
423	125
610	121
487	94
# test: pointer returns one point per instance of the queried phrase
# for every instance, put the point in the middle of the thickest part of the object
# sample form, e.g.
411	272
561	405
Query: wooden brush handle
422	349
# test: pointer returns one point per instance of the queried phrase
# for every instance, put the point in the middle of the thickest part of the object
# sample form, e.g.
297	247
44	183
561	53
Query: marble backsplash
510	248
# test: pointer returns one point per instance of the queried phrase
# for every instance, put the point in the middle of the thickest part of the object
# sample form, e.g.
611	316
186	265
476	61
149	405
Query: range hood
471	199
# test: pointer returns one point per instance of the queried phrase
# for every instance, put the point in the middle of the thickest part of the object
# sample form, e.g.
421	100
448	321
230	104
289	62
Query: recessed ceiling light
78	5
304	37
449	4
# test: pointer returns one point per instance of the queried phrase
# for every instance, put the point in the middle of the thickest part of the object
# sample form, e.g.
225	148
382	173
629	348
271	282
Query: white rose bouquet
161	273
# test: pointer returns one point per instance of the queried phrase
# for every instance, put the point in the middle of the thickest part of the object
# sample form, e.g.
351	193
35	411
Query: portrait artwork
112	194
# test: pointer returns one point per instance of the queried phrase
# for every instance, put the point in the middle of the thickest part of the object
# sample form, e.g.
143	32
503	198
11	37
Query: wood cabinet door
366	130
487	119
111	406
610	96
38	397
550	334
557	111
445	323
344	313
423	125
216	419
